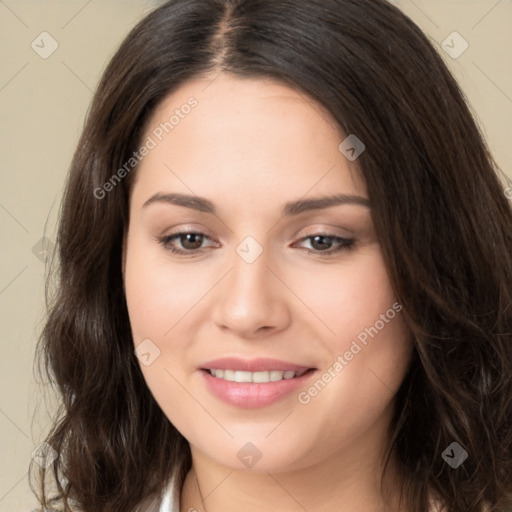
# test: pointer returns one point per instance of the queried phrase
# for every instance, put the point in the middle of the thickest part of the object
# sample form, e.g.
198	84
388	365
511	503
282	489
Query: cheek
158	294
157	298
367	339
347	298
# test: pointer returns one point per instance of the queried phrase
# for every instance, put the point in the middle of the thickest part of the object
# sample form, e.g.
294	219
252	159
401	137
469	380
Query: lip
253	395
252	365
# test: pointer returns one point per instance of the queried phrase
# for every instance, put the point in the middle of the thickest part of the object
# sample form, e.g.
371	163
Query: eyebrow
202	204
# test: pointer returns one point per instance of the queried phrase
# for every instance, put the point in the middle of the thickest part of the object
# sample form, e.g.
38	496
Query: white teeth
260	377
257	377
276	375
243	376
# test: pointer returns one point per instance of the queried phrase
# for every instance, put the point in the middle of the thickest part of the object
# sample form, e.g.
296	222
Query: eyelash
345	244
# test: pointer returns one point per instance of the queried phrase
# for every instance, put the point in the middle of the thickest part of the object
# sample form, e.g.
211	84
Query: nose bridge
249	280
250	298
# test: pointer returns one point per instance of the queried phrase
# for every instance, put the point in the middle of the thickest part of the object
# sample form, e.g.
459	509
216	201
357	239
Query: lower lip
253	395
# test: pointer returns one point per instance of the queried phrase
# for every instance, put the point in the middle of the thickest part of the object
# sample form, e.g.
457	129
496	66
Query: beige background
42	106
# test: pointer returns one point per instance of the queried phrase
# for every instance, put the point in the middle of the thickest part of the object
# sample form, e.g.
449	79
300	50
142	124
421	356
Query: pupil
325	243
195	240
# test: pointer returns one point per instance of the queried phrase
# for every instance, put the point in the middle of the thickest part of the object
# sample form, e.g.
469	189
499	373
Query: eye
322	244
191	242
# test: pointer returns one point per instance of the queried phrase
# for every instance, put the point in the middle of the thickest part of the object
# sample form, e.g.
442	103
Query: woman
285	273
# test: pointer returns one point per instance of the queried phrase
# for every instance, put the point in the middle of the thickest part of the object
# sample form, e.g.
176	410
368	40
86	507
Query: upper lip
252	365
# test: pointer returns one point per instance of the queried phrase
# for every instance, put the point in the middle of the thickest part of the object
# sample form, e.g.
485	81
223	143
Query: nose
250	301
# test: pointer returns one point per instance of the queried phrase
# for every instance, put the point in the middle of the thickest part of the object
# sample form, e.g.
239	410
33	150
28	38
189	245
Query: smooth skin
250	146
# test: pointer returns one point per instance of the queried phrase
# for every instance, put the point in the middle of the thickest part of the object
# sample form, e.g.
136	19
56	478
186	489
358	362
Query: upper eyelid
326	231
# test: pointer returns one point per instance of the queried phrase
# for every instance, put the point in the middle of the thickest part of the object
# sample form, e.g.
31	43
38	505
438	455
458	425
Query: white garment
169	502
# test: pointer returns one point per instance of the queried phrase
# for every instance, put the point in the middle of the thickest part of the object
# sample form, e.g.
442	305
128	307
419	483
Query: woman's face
275	271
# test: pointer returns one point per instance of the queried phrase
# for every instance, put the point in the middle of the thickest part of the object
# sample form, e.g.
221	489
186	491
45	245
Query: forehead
257	135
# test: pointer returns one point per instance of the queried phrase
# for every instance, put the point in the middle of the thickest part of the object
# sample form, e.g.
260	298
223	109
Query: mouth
254	383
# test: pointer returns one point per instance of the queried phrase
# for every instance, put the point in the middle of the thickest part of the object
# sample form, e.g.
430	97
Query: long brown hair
440	211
